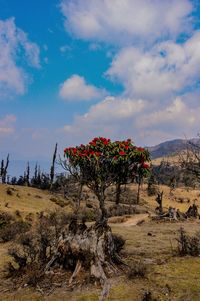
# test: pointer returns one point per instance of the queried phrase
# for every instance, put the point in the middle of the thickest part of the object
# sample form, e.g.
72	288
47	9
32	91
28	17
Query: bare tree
52	171
3	170
190	158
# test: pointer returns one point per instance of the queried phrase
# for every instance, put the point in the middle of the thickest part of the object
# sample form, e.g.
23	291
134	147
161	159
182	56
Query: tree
3	169
190	159
101	163
27	175
52	171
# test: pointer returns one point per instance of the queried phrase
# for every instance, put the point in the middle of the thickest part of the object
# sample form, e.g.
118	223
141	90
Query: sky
71	70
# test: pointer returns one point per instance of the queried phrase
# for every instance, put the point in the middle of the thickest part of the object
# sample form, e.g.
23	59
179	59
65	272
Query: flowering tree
102	162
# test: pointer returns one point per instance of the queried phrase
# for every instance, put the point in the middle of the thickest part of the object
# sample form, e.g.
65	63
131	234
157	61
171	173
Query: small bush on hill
148	297
5	219
137	270
9	191
188	245
33	249
10	231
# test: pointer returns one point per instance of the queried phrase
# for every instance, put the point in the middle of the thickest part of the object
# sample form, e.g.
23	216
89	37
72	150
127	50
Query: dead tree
52	171
27	175
4	169
190	159
159	200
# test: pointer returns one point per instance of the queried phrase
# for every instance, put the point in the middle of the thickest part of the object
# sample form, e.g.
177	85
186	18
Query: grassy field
168	277
29	200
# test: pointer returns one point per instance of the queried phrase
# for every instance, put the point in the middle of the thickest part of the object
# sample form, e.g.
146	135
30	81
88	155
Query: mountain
169	148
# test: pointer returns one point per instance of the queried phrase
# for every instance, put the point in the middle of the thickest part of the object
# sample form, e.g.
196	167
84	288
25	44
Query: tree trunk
79	197
118	193
138	191
101	199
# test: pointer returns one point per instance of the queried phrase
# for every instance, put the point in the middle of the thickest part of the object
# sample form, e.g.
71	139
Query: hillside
29	200
147	241
169	148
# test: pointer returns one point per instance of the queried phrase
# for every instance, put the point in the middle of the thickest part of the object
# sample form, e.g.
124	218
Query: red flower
145	165
122	153
140	149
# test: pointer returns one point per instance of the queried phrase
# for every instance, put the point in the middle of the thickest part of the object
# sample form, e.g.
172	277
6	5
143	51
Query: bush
188	245
148	297
5	219
137	270
10	231
58	202
35	247
89	214
119	242
119	210
9	191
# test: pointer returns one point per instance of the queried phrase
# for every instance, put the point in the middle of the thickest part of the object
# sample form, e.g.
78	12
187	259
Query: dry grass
26	200
169	278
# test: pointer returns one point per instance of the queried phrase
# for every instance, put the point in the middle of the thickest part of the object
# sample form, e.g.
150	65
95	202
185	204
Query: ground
169	277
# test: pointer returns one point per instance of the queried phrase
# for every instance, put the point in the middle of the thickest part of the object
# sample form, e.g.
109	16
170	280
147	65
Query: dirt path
129	221
136	219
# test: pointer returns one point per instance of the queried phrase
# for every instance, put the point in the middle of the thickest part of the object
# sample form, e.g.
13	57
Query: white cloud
15	46
119	118
111	117
112	109
177	116
124	21
7	125
165	69
75	88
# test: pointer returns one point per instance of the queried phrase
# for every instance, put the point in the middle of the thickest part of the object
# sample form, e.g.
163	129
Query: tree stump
91	248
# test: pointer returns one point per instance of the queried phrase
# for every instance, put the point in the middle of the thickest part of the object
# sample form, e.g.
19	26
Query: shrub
9	191
119	242
119	210
5	219
35	247
58	202
9	232
137	270
148	297
188	245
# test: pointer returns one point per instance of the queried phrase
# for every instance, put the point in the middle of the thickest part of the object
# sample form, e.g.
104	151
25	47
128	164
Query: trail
133	220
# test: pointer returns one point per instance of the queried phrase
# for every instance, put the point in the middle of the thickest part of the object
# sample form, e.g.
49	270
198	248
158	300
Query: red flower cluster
100	146
145	165
99	140
140	149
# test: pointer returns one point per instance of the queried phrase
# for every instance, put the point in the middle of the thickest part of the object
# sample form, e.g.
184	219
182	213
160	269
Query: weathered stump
92	248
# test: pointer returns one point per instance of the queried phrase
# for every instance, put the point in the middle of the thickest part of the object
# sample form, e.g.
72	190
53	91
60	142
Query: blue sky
71	70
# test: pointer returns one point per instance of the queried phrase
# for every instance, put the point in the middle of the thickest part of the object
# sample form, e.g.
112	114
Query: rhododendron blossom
103	162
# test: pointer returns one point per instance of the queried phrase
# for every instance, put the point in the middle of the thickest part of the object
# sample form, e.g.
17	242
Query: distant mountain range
169	148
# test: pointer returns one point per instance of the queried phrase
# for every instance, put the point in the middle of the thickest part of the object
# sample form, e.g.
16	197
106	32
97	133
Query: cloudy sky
72	69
